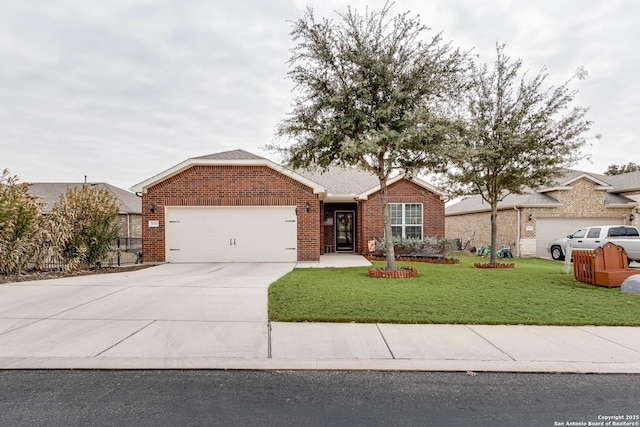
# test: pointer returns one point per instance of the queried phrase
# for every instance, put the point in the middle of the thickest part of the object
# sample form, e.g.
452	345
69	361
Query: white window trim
403	225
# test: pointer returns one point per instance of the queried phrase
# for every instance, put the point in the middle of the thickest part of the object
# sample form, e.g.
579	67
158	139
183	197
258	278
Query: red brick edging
496	265
401	273
411	259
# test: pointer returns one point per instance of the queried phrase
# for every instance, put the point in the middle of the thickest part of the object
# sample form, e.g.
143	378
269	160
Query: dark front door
345	241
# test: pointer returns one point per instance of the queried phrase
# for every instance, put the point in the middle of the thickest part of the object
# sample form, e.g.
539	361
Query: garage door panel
548	229
231	234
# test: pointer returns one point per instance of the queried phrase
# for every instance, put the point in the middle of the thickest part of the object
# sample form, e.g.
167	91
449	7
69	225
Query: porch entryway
340	227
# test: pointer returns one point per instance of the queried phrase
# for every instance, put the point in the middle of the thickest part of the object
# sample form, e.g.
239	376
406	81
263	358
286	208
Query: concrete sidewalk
213	316
351	346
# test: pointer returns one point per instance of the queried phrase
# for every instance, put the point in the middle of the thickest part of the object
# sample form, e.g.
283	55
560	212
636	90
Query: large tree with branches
519	134
372	93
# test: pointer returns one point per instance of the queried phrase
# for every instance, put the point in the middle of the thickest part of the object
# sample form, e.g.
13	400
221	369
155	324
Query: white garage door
549	229
231	234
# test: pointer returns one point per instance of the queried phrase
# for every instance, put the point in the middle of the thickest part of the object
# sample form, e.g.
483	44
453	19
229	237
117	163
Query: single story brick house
236	206
528	222
130	205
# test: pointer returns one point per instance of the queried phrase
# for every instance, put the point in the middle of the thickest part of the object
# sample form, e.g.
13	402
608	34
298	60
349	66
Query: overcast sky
121	90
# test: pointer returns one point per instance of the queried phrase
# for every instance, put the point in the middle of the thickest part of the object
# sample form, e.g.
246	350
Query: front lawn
535	293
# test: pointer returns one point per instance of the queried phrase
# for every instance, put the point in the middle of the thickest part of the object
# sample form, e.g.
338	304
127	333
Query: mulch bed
44	275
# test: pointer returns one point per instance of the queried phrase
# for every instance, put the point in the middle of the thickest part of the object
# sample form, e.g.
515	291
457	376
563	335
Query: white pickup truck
592	237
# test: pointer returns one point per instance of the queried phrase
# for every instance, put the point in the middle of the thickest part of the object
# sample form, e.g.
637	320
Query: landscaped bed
535	292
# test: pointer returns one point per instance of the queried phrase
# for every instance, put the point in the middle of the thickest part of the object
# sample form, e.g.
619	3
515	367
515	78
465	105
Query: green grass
535	292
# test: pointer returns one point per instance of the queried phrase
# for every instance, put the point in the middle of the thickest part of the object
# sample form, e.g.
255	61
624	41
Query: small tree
372	95
620	169
82	225
519	135
20	224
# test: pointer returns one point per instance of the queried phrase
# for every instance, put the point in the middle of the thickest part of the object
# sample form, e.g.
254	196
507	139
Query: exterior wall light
631	217
152	207
530	217
308	206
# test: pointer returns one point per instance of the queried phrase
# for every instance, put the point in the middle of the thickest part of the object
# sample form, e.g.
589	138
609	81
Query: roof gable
564	181
228	158
365	195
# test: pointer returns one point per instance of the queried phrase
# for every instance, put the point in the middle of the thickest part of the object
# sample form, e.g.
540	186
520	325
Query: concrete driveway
166	311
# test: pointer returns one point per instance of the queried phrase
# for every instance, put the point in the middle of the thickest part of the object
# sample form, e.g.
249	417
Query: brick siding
582	200
403	191
130	225
216	185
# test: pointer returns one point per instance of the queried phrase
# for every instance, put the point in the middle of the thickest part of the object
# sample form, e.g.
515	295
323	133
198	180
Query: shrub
416	247
20	225
82	225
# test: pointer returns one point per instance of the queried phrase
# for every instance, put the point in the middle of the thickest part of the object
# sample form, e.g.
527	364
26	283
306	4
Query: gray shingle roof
49	193
231	155
477	204
616	199
625	182
341	180
619	184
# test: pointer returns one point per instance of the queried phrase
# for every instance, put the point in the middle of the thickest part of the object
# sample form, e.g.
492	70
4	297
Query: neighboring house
237	206
530	221
129	216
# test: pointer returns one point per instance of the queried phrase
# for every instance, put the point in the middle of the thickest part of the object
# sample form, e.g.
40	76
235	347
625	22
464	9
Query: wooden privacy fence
605	266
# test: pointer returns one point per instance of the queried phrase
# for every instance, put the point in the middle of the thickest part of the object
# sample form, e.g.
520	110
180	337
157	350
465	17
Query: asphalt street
314	398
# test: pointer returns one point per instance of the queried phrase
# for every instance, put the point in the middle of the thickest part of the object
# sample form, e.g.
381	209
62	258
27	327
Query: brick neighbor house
235	206
528	222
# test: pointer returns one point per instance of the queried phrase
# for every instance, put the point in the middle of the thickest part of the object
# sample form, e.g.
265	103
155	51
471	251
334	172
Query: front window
594	233
406	220
578	234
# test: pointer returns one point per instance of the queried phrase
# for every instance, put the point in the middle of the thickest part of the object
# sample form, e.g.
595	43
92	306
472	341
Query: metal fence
124	251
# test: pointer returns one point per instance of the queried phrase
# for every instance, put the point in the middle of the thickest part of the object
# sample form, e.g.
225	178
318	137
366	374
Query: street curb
407	365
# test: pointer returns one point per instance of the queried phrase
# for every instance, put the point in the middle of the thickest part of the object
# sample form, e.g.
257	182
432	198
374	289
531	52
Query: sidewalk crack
490	343
385	341
605	338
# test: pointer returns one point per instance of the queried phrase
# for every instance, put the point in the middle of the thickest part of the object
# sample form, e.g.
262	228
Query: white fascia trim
421	183
567	184
538	205
585	175
621	205
341	198
144	185
559	188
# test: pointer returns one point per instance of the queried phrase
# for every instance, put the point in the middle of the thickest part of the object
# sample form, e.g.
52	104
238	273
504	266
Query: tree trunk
494	232
388	235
